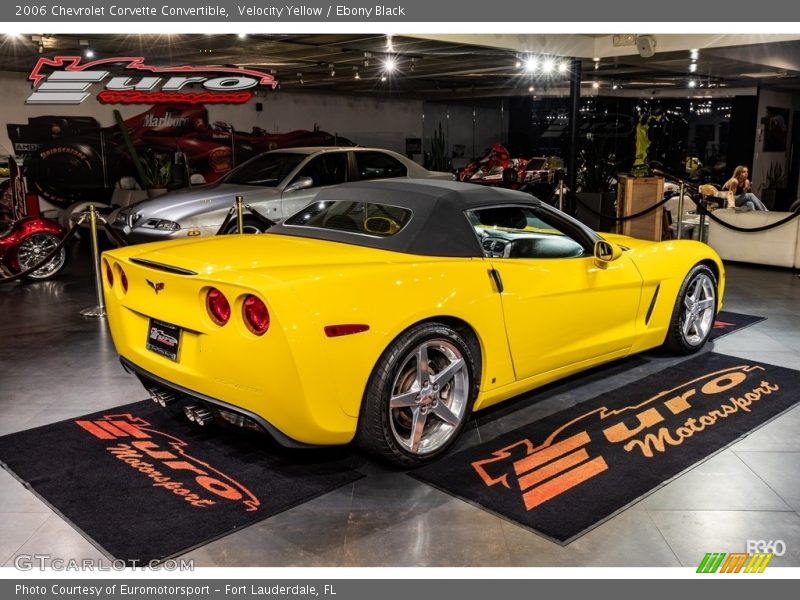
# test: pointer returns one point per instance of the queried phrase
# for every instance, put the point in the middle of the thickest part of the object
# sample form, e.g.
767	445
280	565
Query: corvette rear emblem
156	285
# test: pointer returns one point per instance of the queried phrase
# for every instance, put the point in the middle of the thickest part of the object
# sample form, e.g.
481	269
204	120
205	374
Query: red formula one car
74	159
495	167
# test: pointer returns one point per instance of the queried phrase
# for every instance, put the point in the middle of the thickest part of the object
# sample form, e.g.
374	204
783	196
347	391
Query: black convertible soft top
438	226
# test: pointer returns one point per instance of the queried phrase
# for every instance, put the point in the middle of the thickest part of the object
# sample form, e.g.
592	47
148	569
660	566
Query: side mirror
301	183
605	252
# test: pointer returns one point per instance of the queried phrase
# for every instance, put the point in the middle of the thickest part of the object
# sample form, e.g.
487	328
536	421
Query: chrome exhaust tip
198	414
162	397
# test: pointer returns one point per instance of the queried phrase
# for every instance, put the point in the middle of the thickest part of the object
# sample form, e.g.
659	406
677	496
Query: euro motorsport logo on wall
64	80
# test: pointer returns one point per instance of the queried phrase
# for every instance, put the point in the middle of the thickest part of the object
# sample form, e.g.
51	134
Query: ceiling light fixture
692	67
694	53
562	67
530	88
241	35
531	64
595	84
389	64
89	53
383	77
692	83
548	65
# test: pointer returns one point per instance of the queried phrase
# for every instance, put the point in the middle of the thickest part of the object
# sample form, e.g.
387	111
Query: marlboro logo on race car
65	80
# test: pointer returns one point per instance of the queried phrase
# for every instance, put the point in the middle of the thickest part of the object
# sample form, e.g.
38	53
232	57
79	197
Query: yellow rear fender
388	300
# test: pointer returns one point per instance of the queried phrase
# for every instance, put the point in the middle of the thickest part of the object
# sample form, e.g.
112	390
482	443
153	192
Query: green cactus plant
439	160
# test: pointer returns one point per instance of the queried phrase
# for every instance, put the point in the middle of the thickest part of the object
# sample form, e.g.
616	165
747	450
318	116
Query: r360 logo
776	547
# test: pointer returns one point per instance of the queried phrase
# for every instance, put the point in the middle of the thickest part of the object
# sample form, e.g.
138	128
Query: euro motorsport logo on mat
665	420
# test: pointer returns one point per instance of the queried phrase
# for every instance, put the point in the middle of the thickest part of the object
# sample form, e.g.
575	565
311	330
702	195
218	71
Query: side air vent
652	305
161	267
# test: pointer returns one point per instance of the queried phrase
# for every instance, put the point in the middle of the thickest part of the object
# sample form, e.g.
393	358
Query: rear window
364	218
377	165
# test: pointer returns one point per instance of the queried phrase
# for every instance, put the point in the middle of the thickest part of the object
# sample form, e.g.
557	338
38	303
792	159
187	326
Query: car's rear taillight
123	279
255	314
218	307
109	273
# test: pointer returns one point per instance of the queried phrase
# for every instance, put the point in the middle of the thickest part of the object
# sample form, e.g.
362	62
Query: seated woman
739	187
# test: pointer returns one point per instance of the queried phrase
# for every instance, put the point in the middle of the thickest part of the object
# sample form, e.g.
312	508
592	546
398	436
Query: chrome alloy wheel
429	397
34	249
699	306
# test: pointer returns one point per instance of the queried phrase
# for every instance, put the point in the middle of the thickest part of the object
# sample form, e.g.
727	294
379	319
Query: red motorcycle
27	240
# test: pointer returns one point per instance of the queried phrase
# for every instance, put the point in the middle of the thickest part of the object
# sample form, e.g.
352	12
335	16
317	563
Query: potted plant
597	177
775	179
156	172
438	154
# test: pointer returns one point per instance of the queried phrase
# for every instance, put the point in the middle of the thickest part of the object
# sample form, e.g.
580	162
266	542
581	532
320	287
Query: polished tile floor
54	365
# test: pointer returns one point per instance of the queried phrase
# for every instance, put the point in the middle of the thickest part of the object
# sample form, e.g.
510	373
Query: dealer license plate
164	338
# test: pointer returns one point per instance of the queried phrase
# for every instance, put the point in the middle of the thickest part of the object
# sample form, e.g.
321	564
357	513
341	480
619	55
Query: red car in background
495	167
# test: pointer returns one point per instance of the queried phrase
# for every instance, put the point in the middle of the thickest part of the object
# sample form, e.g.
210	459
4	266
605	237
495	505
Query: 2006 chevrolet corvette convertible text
387	312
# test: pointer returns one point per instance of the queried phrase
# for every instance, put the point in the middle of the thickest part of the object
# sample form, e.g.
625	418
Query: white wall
384	122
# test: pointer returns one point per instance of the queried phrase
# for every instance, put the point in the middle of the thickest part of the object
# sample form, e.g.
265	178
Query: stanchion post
681	190
561	194
98	311
240	214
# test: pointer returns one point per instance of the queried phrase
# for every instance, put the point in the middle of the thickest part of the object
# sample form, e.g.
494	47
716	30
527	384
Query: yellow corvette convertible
387	312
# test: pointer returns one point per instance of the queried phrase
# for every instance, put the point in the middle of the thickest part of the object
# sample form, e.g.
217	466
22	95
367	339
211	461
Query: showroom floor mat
728	322
564	474
144	484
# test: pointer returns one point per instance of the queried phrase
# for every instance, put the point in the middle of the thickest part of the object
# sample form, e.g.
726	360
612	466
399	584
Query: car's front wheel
249	225
419	396
694	313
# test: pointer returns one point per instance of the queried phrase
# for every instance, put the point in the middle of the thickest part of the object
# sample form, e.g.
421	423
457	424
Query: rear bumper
148	379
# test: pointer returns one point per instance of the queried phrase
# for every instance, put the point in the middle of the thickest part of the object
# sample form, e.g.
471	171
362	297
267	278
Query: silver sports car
276	184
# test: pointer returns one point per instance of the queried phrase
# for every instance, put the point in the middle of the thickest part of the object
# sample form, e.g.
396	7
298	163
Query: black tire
250	224
381	429
683	338
510	176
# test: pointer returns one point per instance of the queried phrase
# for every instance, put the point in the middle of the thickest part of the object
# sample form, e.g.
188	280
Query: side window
377	165
327	169
522	232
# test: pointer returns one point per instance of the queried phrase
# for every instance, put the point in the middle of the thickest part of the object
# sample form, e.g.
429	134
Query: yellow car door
561	306
564	311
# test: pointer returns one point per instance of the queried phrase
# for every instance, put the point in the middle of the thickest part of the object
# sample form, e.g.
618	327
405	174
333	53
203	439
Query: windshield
266	170
353	217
